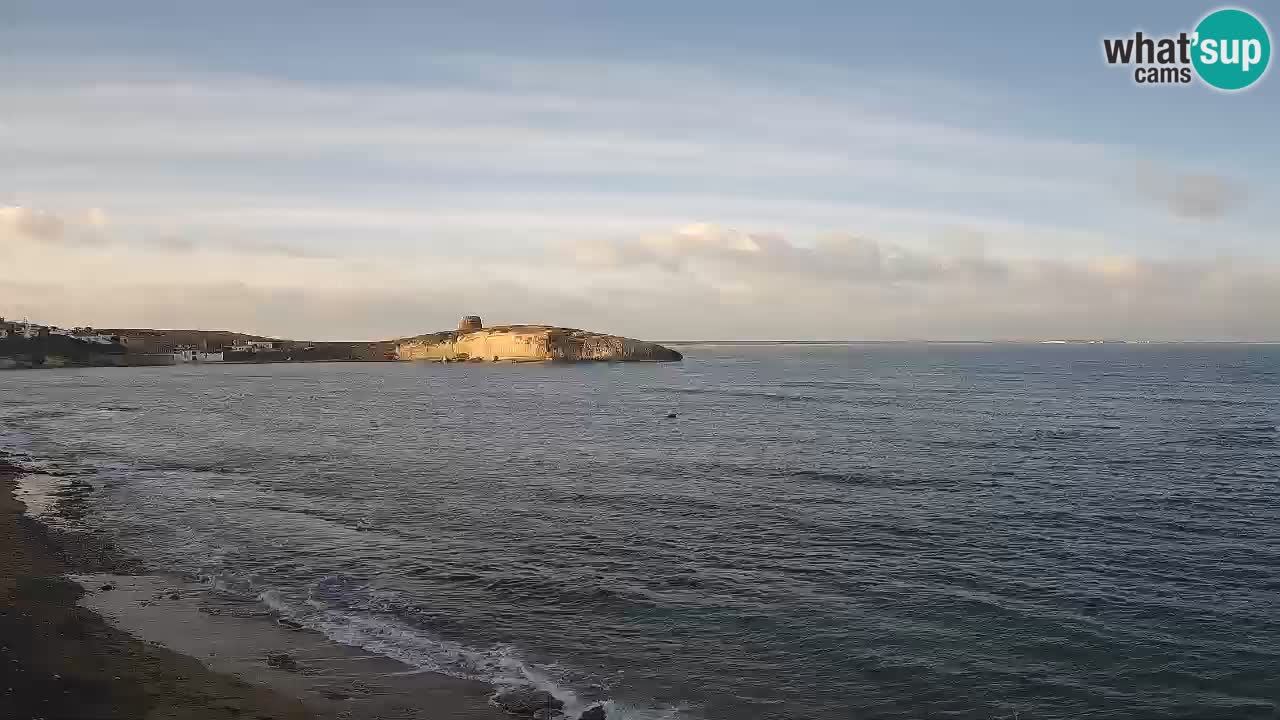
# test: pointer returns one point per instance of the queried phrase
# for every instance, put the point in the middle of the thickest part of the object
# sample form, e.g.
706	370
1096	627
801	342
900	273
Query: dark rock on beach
595	712
284	661
528	701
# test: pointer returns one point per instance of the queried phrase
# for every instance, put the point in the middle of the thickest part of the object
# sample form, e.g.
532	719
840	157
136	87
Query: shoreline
81	366
120	644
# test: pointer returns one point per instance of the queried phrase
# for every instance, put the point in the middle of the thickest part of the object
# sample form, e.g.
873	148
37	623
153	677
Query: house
189	354
256	346
24	329
87	334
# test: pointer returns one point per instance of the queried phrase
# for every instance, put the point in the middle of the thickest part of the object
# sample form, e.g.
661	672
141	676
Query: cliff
527	343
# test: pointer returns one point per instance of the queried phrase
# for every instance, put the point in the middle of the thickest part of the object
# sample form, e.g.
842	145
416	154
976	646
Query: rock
333	694
284	661
522	343
595	712
107	587
528	701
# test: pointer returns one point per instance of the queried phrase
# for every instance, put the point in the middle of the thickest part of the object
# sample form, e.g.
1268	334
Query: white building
24	329
255	346
96	338
188	354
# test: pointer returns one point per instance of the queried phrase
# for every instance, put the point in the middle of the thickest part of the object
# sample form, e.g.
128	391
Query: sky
662	170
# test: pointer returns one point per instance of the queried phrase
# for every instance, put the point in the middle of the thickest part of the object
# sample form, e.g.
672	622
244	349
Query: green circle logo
1232	49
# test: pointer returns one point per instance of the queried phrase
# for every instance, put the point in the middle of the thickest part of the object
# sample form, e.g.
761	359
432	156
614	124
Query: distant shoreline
687	343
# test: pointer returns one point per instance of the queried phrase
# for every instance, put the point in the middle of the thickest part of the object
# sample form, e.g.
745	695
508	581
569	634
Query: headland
28	345
473	342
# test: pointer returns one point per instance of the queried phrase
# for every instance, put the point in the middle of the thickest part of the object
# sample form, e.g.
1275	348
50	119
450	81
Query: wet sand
154	647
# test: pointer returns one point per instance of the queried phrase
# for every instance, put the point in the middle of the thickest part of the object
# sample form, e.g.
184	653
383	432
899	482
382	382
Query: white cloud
24	224
542	118
340	211
854	287
696	281
1200	196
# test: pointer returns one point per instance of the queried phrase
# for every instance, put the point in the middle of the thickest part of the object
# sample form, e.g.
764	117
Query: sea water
852	531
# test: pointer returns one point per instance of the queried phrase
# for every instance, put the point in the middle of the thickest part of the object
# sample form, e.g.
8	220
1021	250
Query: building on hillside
87	334
190	354
255	346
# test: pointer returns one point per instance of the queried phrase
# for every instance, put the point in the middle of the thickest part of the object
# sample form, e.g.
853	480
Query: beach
61	658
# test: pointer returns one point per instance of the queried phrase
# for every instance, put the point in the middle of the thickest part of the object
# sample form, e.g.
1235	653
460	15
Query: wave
775	396
352	613
342	609
1247	435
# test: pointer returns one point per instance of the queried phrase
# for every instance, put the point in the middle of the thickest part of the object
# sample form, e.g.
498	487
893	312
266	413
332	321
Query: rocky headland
473	342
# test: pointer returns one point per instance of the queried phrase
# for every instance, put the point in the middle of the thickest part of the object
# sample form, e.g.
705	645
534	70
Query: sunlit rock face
527	343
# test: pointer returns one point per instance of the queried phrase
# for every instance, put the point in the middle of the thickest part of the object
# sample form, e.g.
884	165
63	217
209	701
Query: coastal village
31	344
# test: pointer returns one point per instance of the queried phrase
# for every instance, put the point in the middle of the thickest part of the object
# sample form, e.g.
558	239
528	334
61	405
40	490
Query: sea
957	531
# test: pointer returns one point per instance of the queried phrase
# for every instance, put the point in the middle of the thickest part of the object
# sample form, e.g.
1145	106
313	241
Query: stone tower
469	323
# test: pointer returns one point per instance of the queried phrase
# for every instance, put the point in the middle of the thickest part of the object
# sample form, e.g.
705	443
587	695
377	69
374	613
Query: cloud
234	245
576	122
701	280
262	287
361	209
849	286
1202	197
769	256
26	224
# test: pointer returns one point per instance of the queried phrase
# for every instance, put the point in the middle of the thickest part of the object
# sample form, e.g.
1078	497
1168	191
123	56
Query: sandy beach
118	644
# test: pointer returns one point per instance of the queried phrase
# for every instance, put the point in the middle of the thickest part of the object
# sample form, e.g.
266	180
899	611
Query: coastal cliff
527	343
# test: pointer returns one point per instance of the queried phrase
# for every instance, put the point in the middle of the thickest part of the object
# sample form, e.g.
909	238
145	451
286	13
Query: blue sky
901	170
